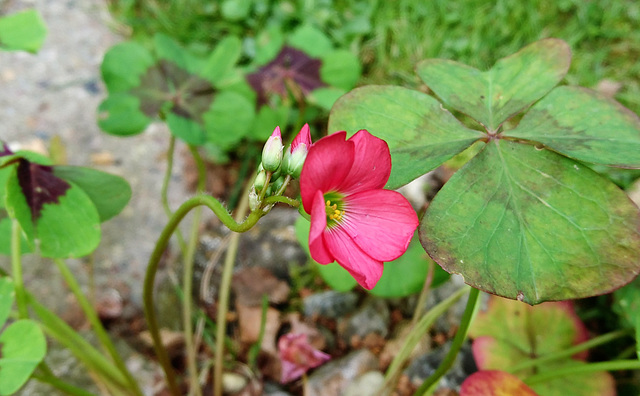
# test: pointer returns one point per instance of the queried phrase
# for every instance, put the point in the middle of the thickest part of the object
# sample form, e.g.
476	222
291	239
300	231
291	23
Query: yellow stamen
333	213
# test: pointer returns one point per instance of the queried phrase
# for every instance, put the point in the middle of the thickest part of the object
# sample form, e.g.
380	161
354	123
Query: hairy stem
164	194
154	260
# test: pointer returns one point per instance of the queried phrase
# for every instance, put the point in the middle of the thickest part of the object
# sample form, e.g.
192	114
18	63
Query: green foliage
24	31
201	99
518	220
22	344
59	208
401	277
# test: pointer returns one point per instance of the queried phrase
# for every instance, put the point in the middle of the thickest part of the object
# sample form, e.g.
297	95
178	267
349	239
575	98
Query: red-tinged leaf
494	383
509	333
291	69
39	186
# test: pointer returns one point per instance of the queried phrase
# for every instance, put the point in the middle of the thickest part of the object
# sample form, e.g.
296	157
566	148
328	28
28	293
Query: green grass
604	36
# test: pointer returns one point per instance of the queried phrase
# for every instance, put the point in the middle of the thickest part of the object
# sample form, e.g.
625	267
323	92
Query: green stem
99	330
585	368
187	280
61	385
16	269
456	344
154	260
165	191
603	339
223	296
417	332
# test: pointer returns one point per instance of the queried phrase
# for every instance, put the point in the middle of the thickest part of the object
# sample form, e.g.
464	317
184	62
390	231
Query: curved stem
187	280
585	368
154	260
458	340
93	319
223	297
603	339
16	269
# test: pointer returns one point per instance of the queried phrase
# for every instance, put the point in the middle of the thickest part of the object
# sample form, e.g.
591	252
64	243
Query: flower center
334	209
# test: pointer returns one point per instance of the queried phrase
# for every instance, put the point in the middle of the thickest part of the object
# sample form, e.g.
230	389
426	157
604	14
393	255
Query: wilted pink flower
297	153
353	220
298	356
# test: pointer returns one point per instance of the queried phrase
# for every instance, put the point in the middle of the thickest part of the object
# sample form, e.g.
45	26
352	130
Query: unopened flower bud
272	151
297	152
276	185
261	178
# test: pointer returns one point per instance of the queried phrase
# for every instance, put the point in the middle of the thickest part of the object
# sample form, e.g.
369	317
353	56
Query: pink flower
298	356
353	220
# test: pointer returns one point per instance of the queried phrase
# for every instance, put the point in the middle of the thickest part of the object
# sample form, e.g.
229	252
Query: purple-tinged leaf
292	69
39	186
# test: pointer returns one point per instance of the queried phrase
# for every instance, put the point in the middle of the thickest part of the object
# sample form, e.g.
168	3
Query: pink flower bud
298	356
272	151
297	152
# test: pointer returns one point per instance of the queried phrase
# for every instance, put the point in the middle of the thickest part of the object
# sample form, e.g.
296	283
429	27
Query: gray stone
330	304
332	378
367	384
372	317
424	366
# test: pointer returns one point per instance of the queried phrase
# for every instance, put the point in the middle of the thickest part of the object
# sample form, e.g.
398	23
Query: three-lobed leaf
529	224
511	85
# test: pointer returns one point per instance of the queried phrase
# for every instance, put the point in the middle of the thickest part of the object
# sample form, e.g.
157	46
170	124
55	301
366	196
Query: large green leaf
340	69
66	225
584	125
229	119
222	60
22	31
22	348
512	84
527	223
420	133
109	193
509	333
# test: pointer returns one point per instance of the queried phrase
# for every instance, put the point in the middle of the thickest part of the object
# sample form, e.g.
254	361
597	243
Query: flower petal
365	269
318	227
380	222
371	164
327	164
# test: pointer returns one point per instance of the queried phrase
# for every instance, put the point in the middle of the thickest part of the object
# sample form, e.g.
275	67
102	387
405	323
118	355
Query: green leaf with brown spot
527	223
420	133
511	85
494	383
584	125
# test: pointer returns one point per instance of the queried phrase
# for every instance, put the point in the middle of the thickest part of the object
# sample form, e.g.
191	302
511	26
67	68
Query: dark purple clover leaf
292	71
55	215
